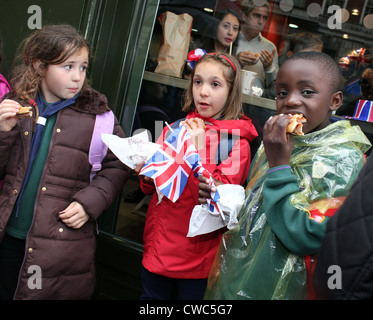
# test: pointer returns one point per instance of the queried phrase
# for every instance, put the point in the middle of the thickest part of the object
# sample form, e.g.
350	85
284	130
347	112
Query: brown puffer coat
65	255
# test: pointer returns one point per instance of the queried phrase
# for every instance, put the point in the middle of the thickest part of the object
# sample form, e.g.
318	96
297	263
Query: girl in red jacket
174	265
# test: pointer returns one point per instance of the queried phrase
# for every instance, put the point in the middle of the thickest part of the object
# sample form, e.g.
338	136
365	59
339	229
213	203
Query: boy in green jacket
295	184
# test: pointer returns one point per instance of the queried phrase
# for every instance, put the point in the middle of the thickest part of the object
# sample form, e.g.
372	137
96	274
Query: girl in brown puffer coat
48	205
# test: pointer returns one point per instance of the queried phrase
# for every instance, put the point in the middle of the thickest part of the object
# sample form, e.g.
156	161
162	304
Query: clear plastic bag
251	262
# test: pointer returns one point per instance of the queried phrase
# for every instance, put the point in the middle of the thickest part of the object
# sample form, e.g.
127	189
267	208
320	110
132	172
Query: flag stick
220	210
169	127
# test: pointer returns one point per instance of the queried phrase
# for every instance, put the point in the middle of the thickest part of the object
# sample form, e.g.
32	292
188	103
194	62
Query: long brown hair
233	106
53	44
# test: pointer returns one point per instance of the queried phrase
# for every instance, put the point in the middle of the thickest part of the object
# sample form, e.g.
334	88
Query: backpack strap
225	146
97	151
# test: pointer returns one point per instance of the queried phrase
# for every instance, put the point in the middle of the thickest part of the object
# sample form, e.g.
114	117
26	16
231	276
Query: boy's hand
278	144
8	111
205	189
146	179
74	216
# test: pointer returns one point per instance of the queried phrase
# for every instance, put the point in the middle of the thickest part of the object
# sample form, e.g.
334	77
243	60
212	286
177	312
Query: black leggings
157	287
12	252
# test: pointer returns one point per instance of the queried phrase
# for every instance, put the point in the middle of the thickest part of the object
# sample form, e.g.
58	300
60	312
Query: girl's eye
216	84
83	68
68	67
197	82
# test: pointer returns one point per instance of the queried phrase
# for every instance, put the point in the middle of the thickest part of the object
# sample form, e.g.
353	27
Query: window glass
342	29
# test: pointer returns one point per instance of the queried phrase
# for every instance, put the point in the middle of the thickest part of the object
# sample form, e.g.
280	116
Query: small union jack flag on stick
212	203
171	165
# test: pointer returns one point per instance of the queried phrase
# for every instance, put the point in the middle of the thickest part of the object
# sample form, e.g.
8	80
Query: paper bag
232	197
133	150
175	46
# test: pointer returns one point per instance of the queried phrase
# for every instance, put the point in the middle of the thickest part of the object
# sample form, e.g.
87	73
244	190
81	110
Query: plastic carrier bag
251	262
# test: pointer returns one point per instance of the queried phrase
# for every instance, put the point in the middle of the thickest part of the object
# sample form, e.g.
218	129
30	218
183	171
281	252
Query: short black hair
327	64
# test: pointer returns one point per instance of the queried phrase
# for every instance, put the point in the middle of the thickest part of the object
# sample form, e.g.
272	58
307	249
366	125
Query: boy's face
301	87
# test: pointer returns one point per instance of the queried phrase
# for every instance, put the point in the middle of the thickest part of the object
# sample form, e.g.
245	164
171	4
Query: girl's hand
278	144
8	111
196	129
74	216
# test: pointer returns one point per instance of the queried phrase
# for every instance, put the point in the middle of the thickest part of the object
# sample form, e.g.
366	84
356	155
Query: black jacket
346	255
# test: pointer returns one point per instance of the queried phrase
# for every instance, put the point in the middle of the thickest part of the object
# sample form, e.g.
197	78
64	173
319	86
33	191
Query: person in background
225	32
221	38
366	89
174	265
302	41
254	52
49	203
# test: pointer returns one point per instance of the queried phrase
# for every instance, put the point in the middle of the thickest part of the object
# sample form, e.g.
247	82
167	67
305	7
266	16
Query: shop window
344	28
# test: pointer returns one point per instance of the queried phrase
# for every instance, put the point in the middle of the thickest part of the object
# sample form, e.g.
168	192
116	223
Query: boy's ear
336	101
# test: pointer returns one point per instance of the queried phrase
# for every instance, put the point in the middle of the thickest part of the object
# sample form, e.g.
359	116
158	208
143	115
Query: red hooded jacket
167	249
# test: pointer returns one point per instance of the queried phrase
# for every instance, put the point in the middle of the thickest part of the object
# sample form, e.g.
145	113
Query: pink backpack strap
4	86
104	124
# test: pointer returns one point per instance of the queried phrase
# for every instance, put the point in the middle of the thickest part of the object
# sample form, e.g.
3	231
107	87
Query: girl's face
306	91
227	30
210	89
63	81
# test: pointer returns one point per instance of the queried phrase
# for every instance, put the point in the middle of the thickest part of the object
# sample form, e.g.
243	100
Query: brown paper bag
176	39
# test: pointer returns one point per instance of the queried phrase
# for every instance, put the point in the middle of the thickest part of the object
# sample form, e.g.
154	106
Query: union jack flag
212	202
173	162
